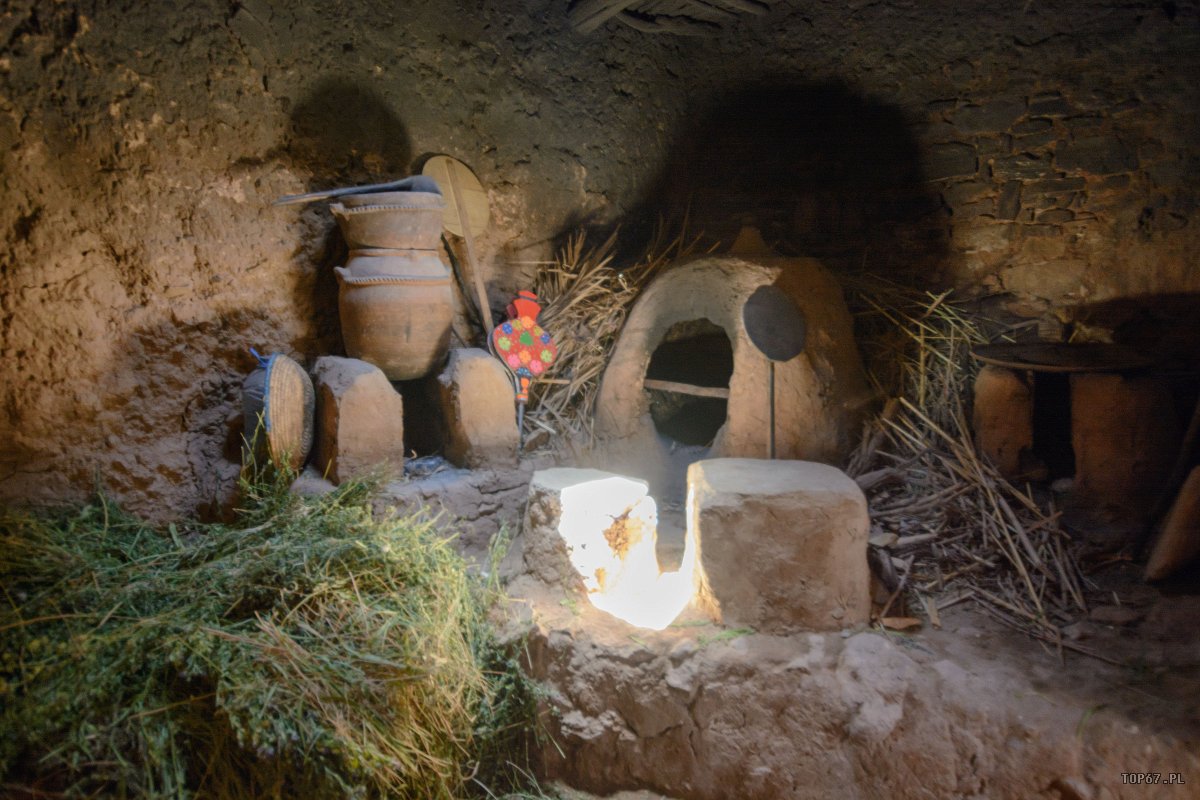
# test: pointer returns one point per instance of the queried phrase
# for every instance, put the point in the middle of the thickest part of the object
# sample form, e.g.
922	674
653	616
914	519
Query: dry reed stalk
993	543
586	299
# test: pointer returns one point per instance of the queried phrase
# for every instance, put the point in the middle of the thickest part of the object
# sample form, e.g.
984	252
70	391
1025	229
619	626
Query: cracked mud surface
972	710
140	150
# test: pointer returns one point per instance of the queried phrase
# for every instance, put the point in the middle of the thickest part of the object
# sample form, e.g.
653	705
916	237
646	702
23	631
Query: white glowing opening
610	528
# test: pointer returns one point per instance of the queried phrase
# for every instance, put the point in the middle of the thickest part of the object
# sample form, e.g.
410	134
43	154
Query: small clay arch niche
688	382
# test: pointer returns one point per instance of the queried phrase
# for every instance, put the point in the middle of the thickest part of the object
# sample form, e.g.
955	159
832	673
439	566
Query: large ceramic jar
399	323
392	220
394	292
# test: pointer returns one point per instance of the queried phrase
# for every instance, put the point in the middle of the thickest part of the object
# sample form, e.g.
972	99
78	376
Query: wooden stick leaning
485	310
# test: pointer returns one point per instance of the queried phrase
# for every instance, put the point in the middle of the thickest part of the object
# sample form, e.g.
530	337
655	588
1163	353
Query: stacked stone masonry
1060	196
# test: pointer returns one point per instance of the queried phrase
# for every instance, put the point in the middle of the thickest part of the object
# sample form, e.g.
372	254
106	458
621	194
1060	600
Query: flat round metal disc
774	324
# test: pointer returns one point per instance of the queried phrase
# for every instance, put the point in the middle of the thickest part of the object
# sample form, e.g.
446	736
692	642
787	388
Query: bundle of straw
586	299
942	516
311	650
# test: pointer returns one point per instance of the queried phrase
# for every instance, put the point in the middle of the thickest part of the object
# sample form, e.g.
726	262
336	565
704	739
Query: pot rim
387	252
342	208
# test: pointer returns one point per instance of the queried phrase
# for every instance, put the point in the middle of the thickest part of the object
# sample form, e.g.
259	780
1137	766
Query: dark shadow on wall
822	170
323	291
341	135
166	430
1159	325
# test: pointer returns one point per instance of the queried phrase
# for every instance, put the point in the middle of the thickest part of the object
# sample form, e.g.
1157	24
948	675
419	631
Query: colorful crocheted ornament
523	346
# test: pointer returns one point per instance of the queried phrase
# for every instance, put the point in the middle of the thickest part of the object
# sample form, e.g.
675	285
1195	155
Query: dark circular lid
774	324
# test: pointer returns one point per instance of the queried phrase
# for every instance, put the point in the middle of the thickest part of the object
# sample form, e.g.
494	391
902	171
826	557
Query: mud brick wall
1047	149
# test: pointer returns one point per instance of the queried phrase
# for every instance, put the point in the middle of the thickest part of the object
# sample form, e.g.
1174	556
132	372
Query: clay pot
383	262
399	323
393	220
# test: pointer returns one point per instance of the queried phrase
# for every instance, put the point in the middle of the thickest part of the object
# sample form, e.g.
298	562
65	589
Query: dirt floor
1136	653
1155	684
970	710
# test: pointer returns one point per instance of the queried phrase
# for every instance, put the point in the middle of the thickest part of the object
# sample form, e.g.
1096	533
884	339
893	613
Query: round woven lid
288	407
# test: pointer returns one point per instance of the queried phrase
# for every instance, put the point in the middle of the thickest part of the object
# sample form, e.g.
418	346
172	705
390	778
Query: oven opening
688	382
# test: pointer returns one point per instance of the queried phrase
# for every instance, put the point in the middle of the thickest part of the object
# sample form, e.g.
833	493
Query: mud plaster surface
968	711
141	145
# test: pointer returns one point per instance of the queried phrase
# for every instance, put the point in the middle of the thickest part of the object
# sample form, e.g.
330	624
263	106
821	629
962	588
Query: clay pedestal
781	545
360	419
479	407
1003	417
1125	435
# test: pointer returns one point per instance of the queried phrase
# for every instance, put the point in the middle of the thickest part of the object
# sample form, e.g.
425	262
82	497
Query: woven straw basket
277	411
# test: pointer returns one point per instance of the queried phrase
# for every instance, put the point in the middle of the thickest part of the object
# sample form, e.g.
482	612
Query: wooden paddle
466	213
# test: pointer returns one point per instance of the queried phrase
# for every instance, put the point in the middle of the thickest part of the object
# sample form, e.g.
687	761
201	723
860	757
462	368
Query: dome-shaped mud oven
686	382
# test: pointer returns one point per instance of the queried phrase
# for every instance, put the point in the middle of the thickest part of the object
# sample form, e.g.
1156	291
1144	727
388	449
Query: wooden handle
686	388
480	290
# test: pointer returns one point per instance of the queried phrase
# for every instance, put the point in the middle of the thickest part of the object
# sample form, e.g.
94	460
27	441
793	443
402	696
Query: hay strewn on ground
945	523
309	650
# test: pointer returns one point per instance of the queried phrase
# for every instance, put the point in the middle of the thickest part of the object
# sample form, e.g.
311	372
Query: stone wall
1046	149
1055	145
1064	195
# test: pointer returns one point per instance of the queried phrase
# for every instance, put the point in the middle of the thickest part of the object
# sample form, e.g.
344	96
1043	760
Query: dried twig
972	533
586	301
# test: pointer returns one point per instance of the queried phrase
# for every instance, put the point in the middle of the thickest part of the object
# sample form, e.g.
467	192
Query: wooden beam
746	6
587	15
687	388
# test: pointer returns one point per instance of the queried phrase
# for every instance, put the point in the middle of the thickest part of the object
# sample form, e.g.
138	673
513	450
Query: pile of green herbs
309	649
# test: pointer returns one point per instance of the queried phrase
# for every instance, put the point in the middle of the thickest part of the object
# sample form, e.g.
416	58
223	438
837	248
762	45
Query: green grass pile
307	650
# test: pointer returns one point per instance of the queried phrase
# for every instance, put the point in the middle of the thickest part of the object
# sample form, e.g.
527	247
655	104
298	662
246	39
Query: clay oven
685	382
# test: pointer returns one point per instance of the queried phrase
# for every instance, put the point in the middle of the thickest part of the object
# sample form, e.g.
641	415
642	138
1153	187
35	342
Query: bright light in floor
610	527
